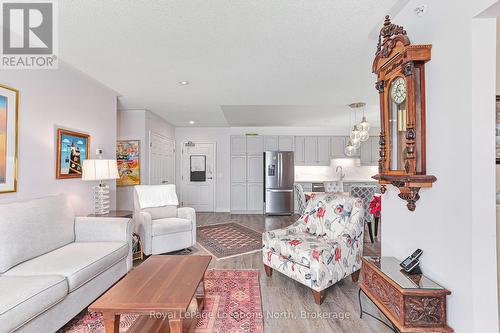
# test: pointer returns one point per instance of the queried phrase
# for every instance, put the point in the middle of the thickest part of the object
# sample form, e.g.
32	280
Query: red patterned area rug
228	239
233	305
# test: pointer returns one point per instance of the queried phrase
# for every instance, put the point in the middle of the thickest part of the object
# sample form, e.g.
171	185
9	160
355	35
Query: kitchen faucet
342	175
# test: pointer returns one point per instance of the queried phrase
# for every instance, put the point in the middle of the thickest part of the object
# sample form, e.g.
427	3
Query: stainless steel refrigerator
279	177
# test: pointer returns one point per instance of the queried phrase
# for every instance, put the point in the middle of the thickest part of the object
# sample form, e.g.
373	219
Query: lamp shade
99	170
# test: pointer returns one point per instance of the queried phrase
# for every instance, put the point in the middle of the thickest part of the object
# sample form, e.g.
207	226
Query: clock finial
387	20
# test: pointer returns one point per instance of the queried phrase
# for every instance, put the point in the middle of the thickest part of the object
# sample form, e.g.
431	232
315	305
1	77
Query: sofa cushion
31	228
170	226
78	262
161	212
24	297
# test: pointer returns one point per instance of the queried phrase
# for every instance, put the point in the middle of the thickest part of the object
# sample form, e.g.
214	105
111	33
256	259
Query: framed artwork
72	149
497	130
128	160
9	101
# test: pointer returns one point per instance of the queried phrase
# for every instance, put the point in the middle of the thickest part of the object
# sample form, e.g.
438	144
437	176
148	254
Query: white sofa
164	229
53	264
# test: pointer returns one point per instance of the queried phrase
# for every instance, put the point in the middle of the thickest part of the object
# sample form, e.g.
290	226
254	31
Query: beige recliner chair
161	225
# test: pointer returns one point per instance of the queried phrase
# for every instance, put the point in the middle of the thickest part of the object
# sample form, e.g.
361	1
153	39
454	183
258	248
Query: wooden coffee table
161	287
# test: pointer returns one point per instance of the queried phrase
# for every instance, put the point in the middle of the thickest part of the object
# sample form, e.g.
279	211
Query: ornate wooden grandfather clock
400	67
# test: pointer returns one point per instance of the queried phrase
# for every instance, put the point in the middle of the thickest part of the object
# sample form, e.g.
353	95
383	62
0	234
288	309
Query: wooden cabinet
238	145
255	167
255	200
310	150
255	145
369	151
299	156
337	147
238	197
323	150
316	150
270	142
238	168
247	173
412	303
285	143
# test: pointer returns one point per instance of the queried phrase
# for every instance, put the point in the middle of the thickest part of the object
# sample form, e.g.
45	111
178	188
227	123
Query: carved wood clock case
400	68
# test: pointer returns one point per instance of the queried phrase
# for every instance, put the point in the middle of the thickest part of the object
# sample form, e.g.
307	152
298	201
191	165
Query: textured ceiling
249	56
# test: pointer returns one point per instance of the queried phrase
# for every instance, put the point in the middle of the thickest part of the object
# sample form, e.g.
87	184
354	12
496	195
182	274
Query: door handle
210	178
279	191
164	181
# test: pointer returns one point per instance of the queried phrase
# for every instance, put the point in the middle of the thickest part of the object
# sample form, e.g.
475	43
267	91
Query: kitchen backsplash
351	168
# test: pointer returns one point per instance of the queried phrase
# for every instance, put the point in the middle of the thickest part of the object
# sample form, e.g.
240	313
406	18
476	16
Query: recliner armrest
103	229
187	213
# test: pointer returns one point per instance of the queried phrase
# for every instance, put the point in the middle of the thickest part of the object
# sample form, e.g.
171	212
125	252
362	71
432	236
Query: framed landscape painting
72	149
9	100
128	160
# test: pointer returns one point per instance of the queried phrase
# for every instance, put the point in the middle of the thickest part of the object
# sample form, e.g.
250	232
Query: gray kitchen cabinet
369	152
255	167
255	201
366	152
238	197
270	142
337	146
255	145
311	150
238	168
285	143
238	145
299	150
323	150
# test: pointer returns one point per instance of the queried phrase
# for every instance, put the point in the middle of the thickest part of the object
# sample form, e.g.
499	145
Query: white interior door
198	176
161	160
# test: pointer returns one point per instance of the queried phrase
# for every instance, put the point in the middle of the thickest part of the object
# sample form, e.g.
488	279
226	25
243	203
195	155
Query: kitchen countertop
334	180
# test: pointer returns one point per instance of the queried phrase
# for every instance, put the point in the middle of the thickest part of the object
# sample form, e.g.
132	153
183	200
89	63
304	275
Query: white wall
132	126
136	125
454	221
63	98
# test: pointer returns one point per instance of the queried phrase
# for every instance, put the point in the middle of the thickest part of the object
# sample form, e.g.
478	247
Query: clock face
398	90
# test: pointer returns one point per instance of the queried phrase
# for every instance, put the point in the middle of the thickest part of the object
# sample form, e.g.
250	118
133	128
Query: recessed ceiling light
191	122
184	83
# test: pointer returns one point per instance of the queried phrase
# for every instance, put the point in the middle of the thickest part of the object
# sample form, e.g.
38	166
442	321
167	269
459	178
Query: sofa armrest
103	229
189	213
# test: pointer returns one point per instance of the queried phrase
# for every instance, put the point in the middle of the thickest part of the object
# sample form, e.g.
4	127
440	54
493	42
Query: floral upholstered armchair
322	247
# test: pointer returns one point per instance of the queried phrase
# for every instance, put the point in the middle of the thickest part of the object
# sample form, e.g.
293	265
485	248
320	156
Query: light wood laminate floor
288	306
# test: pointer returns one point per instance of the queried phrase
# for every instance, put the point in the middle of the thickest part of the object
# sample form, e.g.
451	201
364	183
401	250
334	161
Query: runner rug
233	305
228	239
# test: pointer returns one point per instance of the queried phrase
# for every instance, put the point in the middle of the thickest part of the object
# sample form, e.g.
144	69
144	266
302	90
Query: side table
412	303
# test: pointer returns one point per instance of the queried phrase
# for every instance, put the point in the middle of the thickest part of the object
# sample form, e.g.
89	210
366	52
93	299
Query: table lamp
99	170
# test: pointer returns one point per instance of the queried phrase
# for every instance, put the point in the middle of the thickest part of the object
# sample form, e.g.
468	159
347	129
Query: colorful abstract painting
8	139
72	150
128	160
3	138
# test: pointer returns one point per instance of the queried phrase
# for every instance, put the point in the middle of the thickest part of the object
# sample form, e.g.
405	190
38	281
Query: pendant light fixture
363	127
349	149
353	142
